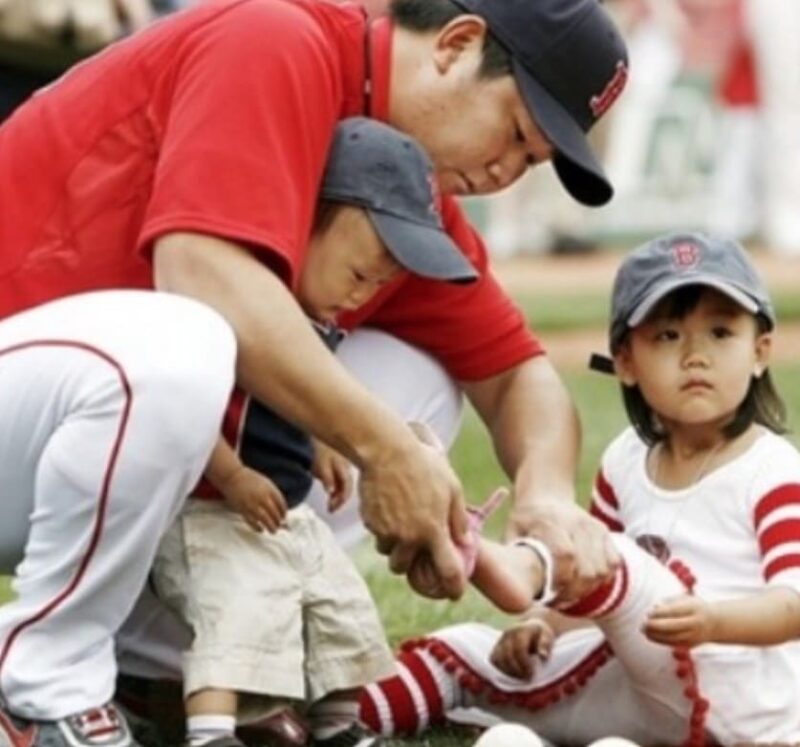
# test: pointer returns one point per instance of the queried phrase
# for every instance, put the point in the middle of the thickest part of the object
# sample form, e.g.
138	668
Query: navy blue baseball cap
654	270
388	173
570	63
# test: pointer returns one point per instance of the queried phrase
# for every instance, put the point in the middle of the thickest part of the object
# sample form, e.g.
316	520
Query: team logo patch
686	255
600	103
435	206
654	545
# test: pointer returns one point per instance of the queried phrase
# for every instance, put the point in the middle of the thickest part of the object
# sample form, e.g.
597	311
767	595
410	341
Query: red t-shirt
218	120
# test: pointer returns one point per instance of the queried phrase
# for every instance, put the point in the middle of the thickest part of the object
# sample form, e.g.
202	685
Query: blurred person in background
774	26
40	39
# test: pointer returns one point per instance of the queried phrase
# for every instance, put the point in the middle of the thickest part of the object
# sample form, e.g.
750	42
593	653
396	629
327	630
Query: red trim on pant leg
623	590
103	498
600	601
537	696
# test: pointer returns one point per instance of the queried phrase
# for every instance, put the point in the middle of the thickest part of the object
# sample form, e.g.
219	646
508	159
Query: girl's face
345	266
695	370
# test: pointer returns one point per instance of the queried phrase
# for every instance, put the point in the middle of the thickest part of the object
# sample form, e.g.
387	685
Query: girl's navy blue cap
654	270
570	63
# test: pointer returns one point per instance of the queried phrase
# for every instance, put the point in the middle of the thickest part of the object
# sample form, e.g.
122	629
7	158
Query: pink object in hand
477	516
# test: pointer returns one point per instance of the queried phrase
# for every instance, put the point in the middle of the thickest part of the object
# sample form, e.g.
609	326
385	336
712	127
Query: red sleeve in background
738	86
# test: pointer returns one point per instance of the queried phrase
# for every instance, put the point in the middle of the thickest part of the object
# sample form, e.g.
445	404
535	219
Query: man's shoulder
300	11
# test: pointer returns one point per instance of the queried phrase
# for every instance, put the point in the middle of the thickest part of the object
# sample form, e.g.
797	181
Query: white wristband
548	592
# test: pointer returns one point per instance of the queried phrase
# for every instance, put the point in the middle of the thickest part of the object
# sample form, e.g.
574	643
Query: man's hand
256	498
513	653
413	503
581	545
682	621
334	472
87	25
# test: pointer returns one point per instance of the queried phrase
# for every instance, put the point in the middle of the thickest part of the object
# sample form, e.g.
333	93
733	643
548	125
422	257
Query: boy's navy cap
387	173
570	64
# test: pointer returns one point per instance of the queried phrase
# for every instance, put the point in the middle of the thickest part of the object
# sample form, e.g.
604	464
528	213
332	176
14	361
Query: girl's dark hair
762	403
431	15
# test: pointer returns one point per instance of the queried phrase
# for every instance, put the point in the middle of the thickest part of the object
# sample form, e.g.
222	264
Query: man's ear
763	352
463	34
623	365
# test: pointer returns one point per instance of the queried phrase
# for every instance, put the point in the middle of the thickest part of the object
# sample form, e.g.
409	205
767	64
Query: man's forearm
281	360
534	427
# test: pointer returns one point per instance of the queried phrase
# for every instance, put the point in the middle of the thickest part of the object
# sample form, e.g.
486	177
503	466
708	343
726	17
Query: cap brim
423	250
574	162
645	306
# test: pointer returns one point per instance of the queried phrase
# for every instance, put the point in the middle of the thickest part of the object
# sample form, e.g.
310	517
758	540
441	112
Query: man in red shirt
187	159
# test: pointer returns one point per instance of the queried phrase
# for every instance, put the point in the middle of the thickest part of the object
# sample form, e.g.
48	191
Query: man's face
477	130
484	139
346	264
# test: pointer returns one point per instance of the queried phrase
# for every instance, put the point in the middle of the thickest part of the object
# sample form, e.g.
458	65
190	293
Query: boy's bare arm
245	490
335	474
224	462
765	619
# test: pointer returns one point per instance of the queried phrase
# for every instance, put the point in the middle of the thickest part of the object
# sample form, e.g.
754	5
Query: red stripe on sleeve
784	495
784	531
611	523
781	564
606	491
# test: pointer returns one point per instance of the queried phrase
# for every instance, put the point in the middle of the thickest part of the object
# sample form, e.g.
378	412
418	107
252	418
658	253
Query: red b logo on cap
600	103
436	195
685	255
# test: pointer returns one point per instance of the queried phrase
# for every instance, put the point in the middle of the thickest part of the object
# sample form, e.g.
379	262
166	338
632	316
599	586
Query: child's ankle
204	728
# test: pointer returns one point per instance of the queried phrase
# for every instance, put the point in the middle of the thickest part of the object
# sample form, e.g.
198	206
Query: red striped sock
417	696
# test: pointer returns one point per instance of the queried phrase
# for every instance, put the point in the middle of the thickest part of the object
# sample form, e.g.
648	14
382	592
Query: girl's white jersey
738	531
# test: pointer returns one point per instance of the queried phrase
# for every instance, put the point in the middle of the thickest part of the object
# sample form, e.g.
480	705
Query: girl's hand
335	474
256	498
682	621
513	653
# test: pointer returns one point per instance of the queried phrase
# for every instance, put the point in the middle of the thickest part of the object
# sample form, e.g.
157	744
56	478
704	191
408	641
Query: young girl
696	639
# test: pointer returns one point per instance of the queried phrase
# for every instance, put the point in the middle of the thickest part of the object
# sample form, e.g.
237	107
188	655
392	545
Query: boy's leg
107	422
240	593
345	644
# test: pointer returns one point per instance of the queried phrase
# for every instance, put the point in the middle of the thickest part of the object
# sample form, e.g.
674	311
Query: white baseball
613	742
508	735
